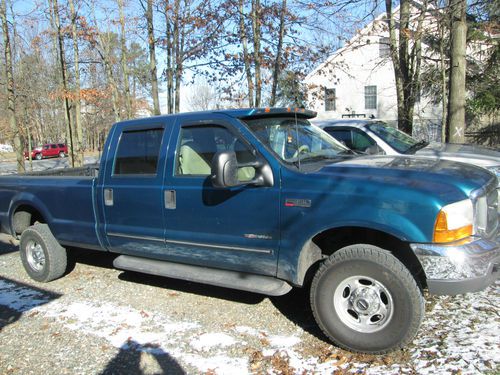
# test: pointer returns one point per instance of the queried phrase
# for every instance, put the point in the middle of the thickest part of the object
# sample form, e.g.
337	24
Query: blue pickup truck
260	200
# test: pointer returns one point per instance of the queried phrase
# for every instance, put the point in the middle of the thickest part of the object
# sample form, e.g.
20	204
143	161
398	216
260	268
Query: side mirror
224	171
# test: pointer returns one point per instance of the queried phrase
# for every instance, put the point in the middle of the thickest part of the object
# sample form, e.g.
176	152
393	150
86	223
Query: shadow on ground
134	358
17	298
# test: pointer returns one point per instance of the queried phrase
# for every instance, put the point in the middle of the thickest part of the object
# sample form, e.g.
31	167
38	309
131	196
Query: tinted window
343	136
61	145
53	146
138	152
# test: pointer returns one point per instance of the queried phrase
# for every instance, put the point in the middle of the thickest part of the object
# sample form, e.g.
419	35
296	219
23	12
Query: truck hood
473	154
437	176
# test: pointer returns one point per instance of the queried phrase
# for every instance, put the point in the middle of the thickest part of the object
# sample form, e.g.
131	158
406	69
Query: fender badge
298	203
258	236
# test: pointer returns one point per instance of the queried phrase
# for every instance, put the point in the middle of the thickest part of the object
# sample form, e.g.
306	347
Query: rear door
231	228
132	194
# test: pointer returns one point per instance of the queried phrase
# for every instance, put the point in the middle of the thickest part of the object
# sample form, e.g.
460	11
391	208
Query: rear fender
27	199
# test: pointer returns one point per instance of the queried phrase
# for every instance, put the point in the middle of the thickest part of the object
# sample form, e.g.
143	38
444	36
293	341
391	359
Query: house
358	81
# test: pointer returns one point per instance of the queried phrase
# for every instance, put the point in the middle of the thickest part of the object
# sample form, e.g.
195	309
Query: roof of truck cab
241	113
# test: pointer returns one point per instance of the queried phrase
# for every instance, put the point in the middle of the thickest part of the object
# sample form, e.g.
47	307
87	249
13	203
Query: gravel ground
98	320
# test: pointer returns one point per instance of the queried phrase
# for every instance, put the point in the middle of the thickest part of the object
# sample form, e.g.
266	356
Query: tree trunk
170	59
456	112
277	61
256	50
78	154
177	72
62	62
444	84
152	59
11	100
246	56
123	60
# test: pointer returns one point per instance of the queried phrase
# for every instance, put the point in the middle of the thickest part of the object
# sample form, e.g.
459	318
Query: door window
138	152
199	144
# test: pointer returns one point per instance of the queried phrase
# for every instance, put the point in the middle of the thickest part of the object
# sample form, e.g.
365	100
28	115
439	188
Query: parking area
98	320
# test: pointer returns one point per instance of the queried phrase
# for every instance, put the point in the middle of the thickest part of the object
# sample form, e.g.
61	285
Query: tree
406	55
152	56
11	99
456	112
123	60
63	74
78	152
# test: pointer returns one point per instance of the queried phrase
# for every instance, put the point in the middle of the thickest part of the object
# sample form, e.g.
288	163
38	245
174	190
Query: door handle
108	197
170	200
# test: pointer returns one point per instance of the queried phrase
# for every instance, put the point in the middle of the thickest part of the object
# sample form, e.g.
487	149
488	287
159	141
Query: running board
229	279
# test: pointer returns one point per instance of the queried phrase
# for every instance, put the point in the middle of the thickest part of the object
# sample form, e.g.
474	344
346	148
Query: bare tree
123	60
456	112
152	57
78	153
277	61
406	55
11	100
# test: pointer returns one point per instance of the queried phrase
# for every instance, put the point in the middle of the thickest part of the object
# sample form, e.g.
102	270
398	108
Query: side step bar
229	279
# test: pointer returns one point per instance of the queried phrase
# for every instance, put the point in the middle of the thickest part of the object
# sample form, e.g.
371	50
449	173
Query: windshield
399	141
296	140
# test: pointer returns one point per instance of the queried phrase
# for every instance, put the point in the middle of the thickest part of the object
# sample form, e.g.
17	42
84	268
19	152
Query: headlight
454	222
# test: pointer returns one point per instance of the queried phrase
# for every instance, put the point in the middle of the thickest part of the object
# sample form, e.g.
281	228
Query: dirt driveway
98	320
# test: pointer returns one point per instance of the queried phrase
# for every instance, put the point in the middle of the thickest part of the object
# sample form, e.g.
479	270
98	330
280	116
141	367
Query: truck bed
63	199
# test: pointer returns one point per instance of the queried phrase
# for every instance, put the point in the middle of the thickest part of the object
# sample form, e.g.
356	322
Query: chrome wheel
363	304
35	256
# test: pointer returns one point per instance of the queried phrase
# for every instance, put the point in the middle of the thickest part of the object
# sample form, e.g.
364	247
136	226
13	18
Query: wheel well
24	217
335	239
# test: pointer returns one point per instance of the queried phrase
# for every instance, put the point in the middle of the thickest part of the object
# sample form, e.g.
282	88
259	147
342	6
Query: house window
370	97
384	47
330	104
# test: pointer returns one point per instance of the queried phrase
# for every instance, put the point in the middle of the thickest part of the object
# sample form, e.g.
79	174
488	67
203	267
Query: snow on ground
459	334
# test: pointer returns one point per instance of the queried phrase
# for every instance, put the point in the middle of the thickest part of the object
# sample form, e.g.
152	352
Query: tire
365	300
38	156
62	154
43	258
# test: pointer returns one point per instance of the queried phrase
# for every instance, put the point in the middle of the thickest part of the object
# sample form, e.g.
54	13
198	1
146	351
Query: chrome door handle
108	197
170	200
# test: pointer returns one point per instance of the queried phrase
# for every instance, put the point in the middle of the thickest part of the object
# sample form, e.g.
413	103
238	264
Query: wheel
43	258
62	154
365	300
38	156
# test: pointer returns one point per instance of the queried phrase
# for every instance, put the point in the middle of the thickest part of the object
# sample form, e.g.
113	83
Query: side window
53	146
198	145
46	147
138	152
361	141
341	135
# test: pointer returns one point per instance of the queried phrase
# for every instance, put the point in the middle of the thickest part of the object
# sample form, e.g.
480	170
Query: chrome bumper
461	267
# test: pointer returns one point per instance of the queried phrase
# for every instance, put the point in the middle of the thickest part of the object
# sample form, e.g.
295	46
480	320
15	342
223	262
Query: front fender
297	257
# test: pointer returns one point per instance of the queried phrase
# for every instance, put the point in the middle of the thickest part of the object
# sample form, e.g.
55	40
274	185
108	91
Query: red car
50	150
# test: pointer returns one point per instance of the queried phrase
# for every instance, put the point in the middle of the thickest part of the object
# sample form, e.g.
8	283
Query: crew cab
49	150
260	200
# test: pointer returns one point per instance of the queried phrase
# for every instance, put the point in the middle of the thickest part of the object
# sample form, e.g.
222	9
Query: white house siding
357	65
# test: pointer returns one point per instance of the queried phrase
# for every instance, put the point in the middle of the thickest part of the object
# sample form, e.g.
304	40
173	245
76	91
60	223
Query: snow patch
210	340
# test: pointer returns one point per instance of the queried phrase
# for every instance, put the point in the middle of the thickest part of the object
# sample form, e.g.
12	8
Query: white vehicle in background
377	137
6	148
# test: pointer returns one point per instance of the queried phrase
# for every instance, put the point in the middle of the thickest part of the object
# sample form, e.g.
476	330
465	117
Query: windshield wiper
417	146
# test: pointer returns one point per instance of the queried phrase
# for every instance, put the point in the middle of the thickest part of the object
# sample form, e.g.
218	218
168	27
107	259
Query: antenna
297	139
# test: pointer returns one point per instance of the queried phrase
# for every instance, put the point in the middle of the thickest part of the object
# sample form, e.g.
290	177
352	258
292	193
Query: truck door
132	194
233	228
